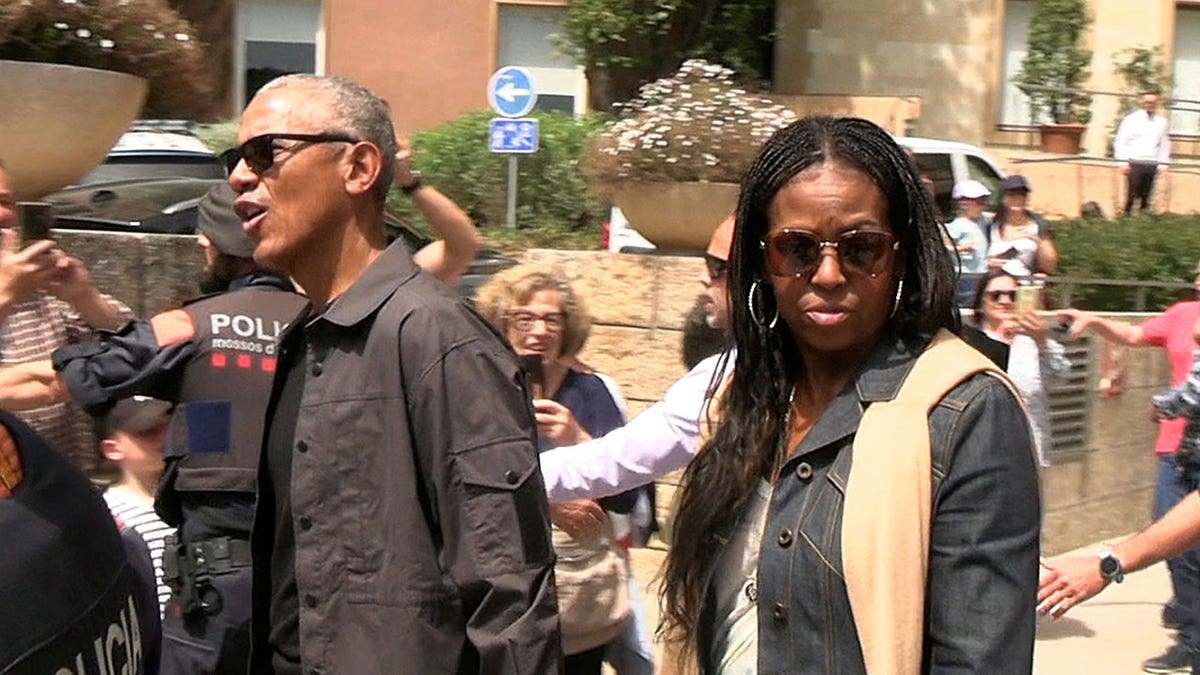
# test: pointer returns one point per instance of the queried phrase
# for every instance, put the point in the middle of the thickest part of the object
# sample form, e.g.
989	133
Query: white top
1143	137
1020	252
1029	368
735	583
660	440
971	243
138	513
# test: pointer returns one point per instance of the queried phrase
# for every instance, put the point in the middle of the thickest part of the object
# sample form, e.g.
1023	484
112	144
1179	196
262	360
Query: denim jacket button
512	477
779	613
317	369
785	538
804	471
751	591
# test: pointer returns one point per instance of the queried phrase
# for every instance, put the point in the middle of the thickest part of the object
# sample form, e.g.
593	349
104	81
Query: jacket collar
878	379
387	273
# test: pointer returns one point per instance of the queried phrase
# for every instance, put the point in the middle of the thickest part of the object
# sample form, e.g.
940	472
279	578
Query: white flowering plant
146	38
696	125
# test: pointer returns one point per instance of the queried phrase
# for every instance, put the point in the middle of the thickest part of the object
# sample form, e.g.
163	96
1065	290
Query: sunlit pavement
1113	633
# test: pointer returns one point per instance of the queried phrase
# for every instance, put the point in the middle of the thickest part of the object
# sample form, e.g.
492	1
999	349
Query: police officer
215	359
71	598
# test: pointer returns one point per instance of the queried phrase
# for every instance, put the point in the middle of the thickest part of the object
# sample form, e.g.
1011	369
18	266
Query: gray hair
359	112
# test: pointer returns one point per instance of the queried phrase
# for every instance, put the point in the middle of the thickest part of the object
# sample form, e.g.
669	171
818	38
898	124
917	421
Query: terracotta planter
1061	139
58	122
677	216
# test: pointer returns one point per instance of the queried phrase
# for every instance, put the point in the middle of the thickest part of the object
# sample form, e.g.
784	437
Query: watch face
1109	566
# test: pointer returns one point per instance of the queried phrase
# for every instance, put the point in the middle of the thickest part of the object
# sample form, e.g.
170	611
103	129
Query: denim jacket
983	566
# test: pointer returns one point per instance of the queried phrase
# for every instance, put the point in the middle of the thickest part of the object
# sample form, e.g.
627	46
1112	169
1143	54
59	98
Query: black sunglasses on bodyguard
797	253
259	152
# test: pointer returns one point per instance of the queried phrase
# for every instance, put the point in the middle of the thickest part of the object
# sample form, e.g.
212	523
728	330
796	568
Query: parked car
169	206
153	149
944	162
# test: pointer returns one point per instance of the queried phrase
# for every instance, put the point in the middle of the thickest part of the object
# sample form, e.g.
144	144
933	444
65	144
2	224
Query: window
1186	118
278	37
1014	104
525	38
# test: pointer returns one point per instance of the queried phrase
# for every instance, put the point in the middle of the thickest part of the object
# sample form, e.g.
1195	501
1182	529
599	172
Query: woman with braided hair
844	516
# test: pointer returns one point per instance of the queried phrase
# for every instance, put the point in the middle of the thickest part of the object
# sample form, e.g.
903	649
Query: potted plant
673	161
1054	70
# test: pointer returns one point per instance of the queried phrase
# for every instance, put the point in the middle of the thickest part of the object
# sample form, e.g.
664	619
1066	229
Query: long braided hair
753	410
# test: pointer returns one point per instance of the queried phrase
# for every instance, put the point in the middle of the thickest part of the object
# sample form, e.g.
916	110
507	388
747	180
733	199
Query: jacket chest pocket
824	494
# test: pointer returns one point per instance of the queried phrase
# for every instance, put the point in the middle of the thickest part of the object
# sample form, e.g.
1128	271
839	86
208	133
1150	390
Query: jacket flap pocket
503	466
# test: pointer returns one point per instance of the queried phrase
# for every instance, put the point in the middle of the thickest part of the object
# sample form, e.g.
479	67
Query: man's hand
10	464
555	421
26	271
583	519
1066	582
1079	321
404	166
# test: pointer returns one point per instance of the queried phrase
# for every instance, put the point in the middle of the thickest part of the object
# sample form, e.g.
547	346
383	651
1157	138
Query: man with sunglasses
398	483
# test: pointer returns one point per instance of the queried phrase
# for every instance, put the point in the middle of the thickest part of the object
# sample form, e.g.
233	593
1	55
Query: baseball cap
221	225
133	415
1015	183
970	189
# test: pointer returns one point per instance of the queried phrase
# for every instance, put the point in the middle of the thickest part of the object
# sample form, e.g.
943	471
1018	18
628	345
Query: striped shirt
138	513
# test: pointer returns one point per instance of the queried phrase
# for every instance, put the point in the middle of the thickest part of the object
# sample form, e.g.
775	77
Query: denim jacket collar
878	379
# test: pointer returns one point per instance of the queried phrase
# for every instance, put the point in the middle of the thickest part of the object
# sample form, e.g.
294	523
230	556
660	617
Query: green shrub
1147	248
551	193
220	136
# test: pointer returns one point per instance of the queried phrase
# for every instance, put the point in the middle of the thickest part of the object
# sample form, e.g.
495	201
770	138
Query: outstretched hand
583	519
1066	582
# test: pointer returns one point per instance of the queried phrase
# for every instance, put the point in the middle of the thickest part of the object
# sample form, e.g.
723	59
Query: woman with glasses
1033	355
839	282
543	317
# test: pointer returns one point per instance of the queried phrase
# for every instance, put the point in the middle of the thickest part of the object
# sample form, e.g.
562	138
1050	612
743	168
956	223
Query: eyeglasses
716	267
797	253
525	321
259	152
995	296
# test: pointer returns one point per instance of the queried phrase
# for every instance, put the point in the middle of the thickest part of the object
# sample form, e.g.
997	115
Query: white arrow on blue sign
513	136
511	92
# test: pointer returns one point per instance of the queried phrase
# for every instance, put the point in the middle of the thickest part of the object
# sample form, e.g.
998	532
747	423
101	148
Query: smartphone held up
531	365
34	221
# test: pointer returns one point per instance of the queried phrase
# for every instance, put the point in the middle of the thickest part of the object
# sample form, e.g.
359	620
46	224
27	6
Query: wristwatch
414	185
1110	566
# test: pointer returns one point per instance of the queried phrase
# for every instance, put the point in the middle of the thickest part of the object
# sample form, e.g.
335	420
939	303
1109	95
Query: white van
945	162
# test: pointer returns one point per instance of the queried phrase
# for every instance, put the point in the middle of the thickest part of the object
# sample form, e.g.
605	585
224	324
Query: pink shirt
1172	330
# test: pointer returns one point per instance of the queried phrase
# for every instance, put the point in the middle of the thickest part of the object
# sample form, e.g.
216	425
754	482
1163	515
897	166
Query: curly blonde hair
515	286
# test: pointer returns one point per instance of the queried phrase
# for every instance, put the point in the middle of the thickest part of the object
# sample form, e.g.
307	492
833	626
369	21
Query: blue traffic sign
511	92
513	136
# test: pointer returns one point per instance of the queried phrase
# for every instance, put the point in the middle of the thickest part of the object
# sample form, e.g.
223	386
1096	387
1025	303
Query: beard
216	277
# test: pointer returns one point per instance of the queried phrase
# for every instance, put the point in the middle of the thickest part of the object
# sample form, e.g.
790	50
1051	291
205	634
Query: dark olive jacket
422	536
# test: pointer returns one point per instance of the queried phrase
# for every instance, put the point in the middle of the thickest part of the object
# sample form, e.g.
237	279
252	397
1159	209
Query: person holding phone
48	300
1033	355
547	323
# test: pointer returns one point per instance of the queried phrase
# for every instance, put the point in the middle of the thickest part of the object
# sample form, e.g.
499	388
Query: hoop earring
754	303
899	294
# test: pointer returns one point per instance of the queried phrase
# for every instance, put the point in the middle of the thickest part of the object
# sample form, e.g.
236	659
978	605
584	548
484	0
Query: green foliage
143	37
552	194
1147	248
625	43
219	137
1057	61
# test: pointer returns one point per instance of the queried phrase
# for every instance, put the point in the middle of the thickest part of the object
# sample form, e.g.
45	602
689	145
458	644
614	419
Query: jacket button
804	471
751	591
310	600
779	613
511	477
305	523
785	538
316	369
301	447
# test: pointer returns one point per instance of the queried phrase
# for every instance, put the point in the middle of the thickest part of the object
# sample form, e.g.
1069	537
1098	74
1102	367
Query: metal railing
1065	288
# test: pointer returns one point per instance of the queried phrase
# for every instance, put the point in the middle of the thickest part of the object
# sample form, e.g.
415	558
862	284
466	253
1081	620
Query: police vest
217	426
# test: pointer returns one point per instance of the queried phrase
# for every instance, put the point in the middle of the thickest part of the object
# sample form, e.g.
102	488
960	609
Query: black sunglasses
797	253
259	152
995	296
716	267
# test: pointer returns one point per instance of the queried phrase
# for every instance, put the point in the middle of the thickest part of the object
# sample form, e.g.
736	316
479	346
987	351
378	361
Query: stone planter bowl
58	122
677	216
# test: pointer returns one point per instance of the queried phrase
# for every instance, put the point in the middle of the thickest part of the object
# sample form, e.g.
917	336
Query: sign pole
511	219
